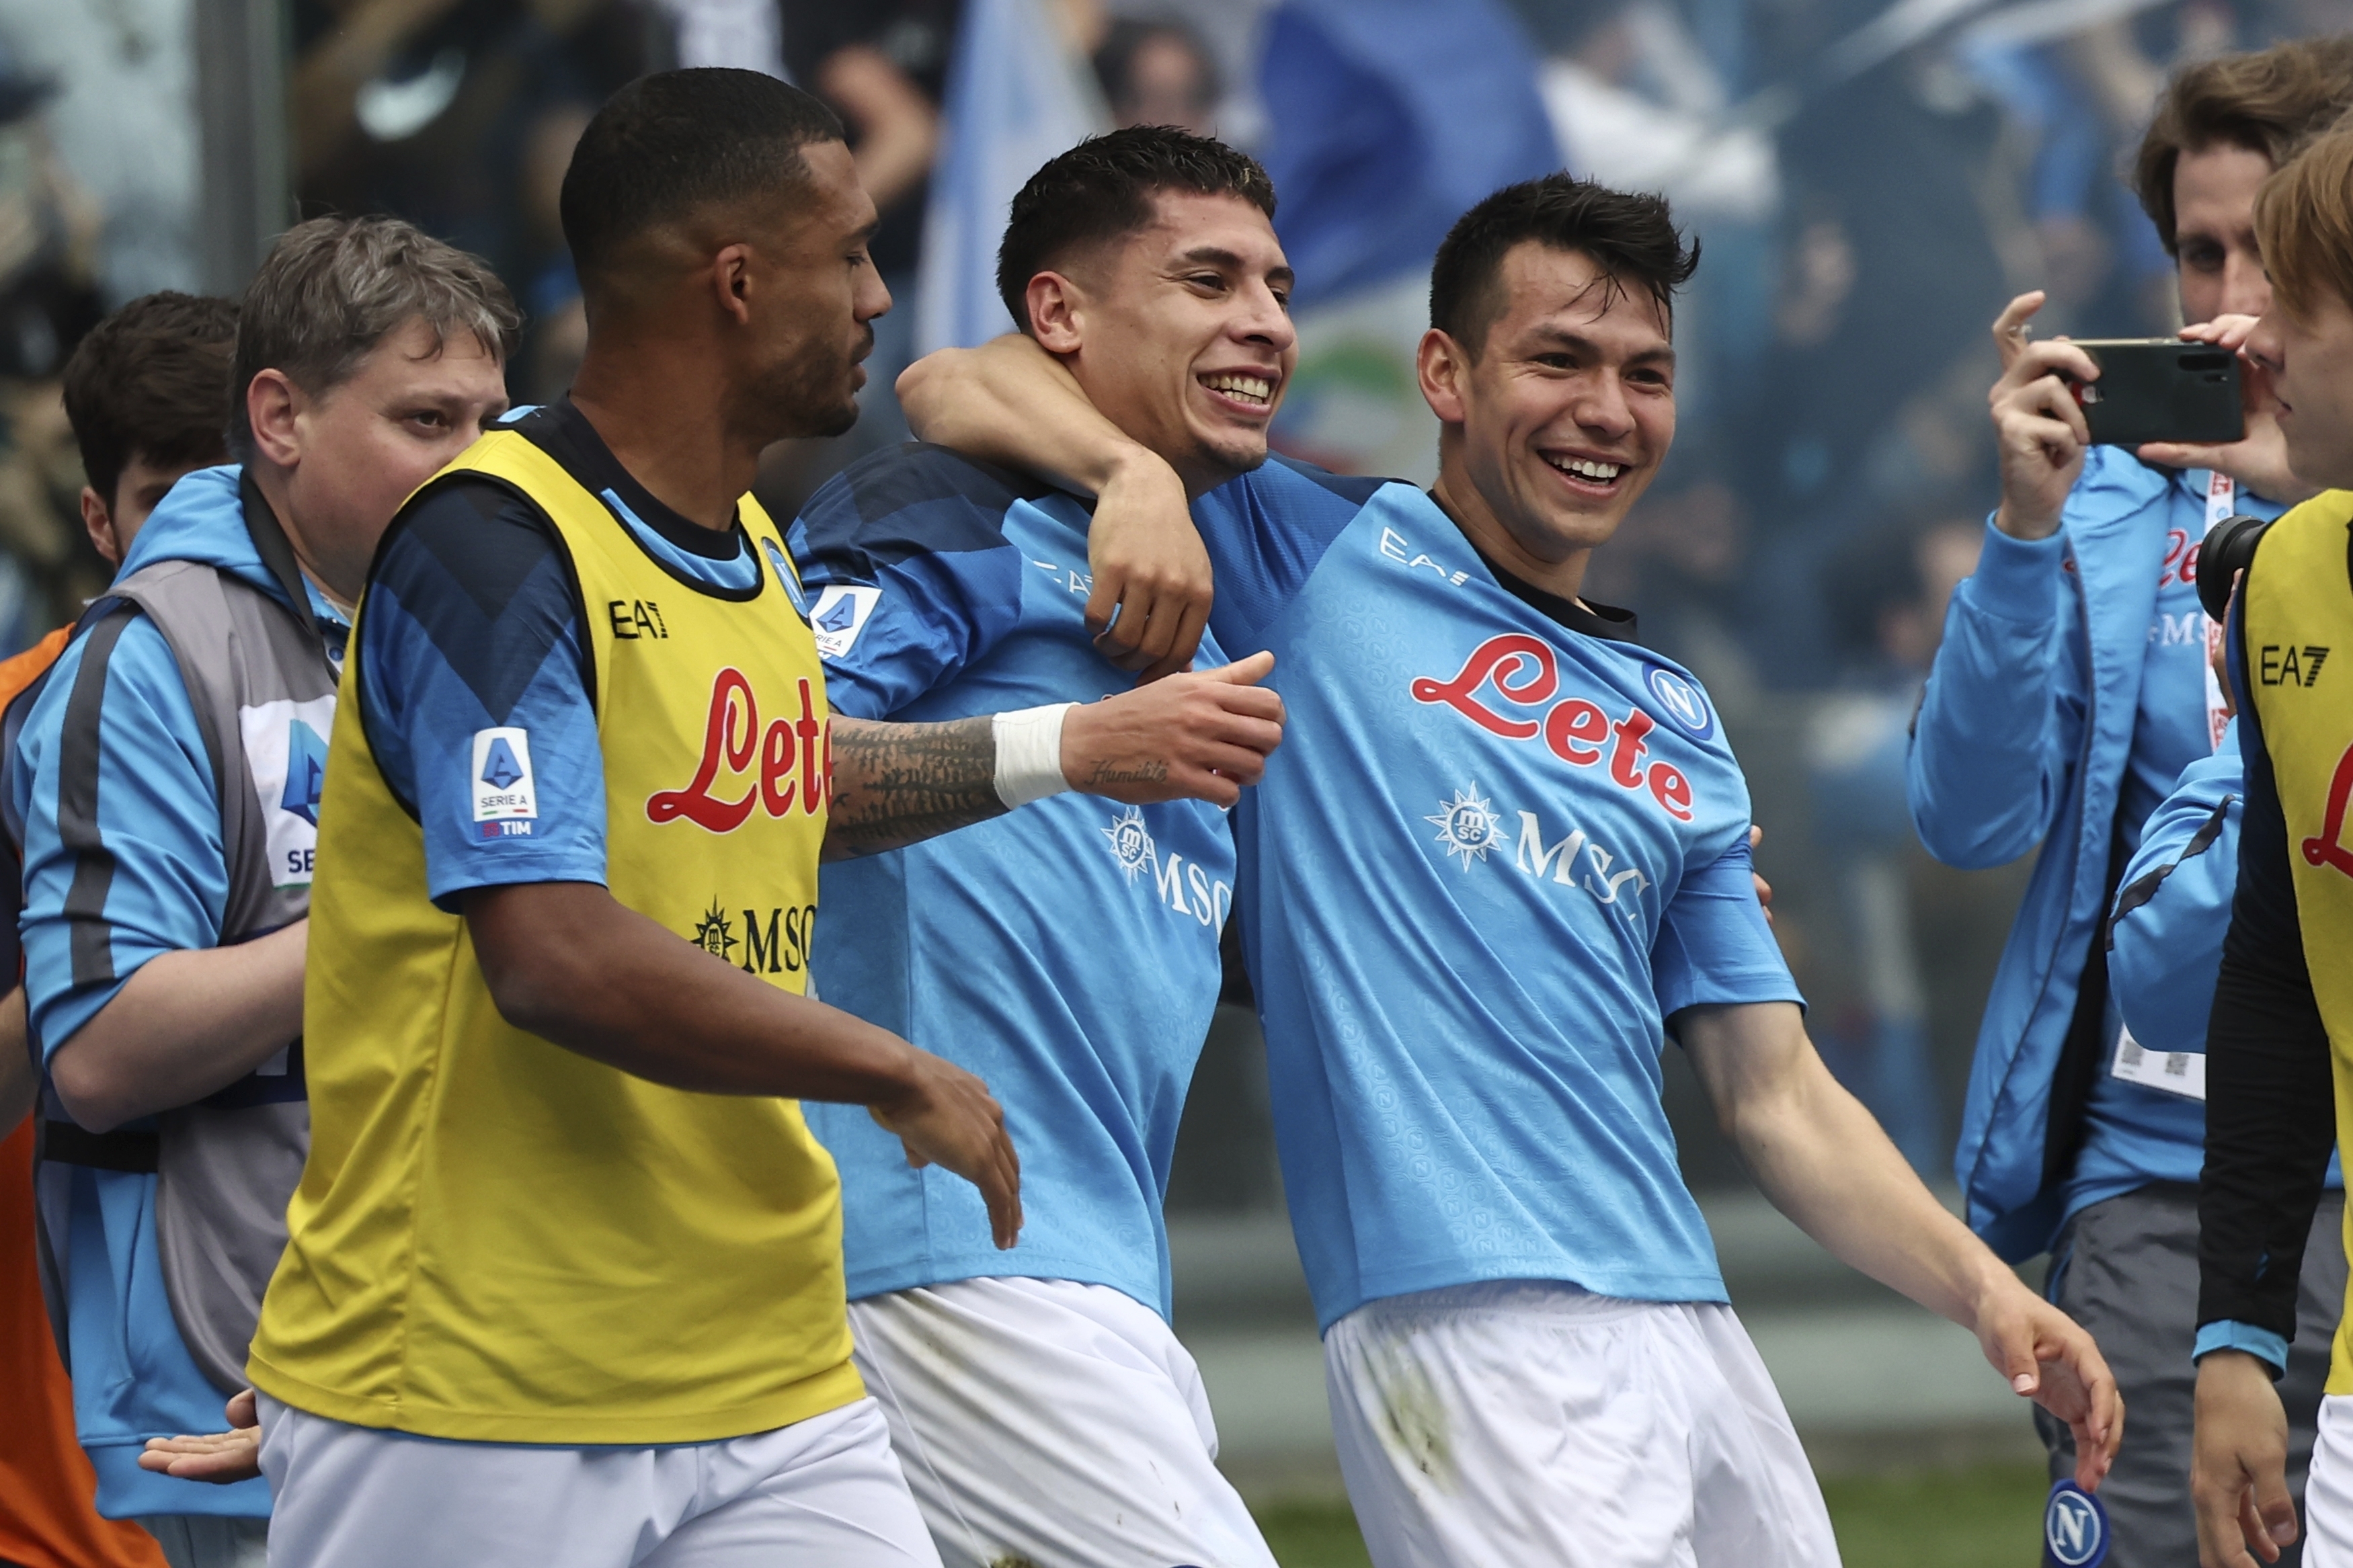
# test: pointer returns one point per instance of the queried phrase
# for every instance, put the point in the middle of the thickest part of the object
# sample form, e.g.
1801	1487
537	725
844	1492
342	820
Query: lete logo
1526	673
731	737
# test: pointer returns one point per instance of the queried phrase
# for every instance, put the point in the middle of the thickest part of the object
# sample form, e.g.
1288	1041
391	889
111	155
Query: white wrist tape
1030	753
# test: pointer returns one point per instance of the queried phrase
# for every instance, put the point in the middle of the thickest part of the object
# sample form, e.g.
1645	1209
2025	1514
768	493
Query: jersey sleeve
474	683
2270	1108
123	855
2165	941
1715	946
911	576
1265	532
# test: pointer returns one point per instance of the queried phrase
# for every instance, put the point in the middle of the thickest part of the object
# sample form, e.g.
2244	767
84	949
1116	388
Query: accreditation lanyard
2221	501
2184	1072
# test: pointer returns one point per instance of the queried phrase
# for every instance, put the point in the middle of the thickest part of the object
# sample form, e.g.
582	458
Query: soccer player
2280	1052
1502	855
562	1214
147	395
167	778
2072	688
1068	954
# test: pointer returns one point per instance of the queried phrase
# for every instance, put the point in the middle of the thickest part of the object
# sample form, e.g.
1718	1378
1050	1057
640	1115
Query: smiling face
2310	358
1549	434
2219	265
1179	332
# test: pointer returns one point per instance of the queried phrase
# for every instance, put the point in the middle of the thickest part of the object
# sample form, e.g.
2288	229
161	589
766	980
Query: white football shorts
2329	1488
1528	1422
827	1489
1046	1421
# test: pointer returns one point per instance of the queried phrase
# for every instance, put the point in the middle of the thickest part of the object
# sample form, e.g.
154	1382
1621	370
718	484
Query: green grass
1986	1516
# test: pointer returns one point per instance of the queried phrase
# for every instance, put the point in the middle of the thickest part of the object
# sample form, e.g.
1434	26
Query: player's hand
220	1458
949	1118
2238	1464
2258	459
2039	430
2048	1358
1200	736
1151	581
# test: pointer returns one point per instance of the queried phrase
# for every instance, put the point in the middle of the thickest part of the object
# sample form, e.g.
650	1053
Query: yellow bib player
564	1280
2280	1043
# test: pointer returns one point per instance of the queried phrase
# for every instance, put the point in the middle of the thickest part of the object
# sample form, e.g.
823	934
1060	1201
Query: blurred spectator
555	329
420	108
1159	73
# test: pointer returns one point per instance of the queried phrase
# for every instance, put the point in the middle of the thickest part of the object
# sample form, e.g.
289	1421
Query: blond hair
2304	222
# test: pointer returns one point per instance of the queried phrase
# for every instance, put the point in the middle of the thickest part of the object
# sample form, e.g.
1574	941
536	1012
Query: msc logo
2290	665
775	943
2074	1528
1469	827
1189	889
1525	672
789	749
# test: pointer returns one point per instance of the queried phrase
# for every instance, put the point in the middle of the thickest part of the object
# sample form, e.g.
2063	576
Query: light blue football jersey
1067	951
1495	851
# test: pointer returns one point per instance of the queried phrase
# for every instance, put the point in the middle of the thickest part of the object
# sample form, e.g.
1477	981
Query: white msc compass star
1466	826
1130	841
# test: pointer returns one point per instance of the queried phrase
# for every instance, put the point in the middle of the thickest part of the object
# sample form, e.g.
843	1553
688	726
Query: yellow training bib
2298	614
497	1239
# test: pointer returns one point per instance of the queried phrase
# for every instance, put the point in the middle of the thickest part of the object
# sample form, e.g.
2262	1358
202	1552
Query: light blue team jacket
159	813
2022	739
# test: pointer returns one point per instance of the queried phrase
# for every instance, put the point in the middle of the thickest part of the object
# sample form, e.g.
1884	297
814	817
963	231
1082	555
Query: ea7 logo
790	749
2279	665
1526	673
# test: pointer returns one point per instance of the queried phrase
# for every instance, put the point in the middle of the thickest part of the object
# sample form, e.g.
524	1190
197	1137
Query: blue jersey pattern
1492	856
1067	951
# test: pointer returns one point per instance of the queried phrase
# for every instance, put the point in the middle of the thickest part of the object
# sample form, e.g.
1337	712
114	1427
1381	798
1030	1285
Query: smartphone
2160	389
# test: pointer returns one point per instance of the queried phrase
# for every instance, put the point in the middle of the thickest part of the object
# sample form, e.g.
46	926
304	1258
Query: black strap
270	543
2085	1050
69	1143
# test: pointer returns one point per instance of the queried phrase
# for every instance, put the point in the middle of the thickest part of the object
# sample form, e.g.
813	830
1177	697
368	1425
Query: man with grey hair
168	778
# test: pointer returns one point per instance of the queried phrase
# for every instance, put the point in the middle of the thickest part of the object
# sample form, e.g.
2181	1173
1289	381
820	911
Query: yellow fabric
499	1240
2298	618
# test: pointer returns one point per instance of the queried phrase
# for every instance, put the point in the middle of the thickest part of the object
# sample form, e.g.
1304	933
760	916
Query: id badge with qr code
2173	1072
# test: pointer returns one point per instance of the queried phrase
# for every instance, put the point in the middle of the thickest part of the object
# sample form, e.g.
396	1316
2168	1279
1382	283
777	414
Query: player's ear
1057	314
1443	368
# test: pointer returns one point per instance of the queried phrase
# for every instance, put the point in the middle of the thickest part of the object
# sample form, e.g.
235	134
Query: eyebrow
1217	256
1664	354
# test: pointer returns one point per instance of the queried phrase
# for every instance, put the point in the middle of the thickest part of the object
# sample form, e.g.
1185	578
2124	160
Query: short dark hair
1631	239
331	288
150	382
1102	190
2272	102
678	142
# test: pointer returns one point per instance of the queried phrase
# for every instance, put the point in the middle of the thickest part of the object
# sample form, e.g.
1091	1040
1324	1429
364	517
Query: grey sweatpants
2127	1271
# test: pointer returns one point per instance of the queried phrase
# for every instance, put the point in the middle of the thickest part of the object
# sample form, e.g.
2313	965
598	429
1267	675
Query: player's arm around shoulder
1822	1160
1011	401
113	775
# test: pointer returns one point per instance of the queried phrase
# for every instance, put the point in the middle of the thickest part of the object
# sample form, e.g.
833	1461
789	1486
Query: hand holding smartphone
2160	389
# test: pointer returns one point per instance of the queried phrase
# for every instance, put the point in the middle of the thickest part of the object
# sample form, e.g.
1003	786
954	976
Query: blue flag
1387	119
1017	94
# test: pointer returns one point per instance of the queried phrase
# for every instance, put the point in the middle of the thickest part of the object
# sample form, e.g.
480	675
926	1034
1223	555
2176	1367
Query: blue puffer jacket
2021	739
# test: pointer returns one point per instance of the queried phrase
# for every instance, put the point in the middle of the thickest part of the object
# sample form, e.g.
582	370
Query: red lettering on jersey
1672	791
1626	756
2329	850
732	735
1499	658
1574	720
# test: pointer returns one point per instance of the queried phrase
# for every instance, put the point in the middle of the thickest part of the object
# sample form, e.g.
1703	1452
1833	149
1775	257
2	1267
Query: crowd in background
1869	183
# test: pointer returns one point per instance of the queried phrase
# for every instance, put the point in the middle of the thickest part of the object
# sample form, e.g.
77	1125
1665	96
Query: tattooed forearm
896	784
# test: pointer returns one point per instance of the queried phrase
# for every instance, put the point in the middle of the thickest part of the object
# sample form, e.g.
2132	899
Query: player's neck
1461	502
668	429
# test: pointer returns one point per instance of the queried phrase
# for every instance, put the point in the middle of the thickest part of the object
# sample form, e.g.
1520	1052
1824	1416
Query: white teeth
1586	469
1249	388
